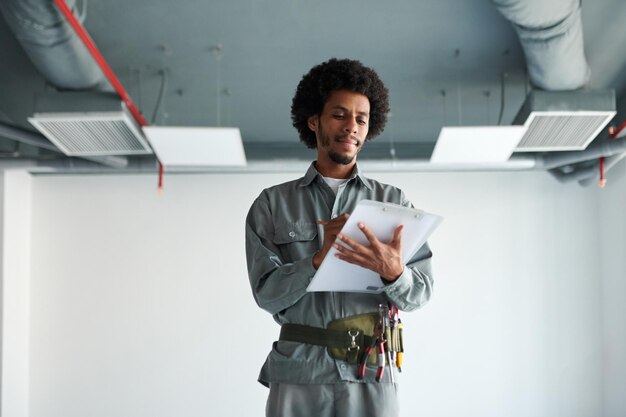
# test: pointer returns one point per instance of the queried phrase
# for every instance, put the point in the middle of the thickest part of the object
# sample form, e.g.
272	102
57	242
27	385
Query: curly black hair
338	74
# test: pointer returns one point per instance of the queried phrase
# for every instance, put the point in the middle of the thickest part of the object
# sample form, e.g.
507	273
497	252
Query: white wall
613	236
140	301
513	329
140	304
15	262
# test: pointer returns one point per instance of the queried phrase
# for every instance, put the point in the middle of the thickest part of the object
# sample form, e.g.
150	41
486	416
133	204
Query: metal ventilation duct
563	120
88	124
551	34
52	45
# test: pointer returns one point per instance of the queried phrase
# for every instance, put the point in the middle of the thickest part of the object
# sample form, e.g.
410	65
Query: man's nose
351	125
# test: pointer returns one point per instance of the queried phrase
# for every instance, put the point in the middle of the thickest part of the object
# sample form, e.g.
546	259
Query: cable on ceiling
502	97
161	97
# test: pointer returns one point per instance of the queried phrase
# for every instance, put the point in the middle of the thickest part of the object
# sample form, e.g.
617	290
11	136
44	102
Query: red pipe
95	53
616	132
160	187
106	69
602	181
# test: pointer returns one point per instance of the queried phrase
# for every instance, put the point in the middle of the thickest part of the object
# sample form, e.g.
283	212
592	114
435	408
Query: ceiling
237	63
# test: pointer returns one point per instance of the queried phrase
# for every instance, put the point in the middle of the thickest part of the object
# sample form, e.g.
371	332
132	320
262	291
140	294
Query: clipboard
382	218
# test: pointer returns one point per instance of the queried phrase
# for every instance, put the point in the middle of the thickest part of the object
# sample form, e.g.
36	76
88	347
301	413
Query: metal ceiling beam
35	139
599	148
588	174
26	136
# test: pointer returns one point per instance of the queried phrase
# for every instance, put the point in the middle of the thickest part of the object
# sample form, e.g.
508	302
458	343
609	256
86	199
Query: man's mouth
348	140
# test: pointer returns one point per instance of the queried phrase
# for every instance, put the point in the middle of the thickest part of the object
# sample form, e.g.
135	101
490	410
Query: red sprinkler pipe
615	133
106	69
602	181
95	53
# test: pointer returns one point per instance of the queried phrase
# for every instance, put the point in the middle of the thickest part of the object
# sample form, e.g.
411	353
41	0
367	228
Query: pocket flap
295	232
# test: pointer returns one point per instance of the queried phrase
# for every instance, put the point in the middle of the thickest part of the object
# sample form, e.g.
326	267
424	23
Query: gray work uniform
348	399
282	235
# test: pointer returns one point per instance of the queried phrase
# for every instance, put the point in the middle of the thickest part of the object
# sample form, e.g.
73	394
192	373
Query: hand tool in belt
390	336
378	342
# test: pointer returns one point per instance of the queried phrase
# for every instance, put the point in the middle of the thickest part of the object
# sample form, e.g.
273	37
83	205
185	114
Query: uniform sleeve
276	285
415	286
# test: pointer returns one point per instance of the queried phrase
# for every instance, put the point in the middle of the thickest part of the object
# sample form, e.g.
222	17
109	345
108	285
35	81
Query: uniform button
292	234
343	366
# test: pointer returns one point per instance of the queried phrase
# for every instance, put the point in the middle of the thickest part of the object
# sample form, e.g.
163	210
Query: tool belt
346	338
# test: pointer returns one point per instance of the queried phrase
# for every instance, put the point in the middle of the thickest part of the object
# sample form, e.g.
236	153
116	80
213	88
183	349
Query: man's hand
331	230
383	258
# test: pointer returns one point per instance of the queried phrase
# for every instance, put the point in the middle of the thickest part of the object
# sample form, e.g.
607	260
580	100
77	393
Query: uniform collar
313	173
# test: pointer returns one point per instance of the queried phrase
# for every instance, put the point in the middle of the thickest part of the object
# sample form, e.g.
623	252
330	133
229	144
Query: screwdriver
400	353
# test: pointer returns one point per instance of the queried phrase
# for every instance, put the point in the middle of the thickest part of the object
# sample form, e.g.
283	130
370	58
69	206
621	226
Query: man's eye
362	122
338	116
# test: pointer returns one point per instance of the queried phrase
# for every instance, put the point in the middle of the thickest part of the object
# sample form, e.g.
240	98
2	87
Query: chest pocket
296	240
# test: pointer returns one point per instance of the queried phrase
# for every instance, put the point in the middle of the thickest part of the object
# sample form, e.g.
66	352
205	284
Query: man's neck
334	170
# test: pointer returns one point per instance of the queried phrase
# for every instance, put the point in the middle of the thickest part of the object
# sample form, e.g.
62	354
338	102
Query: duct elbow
557	61
52	45
553	74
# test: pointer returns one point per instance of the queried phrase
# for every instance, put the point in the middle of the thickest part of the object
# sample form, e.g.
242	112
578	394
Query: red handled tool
363	363
381	360
379	343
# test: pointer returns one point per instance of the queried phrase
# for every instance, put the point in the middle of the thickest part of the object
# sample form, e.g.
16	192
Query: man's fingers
350	242
351	256
339	220
397	234
368	234
333	227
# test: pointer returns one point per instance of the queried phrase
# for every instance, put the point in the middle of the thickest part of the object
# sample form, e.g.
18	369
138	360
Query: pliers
379	343
381	360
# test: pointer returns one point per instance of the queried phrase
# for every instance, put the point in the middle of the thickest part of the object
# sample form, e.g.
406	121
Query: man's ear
313	122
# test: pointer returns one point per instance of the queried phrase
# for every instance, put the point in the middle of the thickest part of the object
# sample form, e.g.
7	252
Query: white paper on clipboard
382	218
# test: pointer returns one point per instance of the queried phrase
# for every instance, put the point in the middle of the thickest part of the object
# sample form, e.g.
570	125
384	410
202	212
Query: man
313	370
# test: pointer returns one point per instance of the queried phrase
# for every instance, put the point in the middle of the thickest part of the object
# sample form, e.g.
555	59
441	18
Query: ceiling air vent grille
93	133
563	120
562	131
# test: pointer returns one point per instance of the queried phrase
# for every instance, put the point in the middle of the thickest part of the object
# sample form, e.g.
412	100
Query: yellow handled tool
400	353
